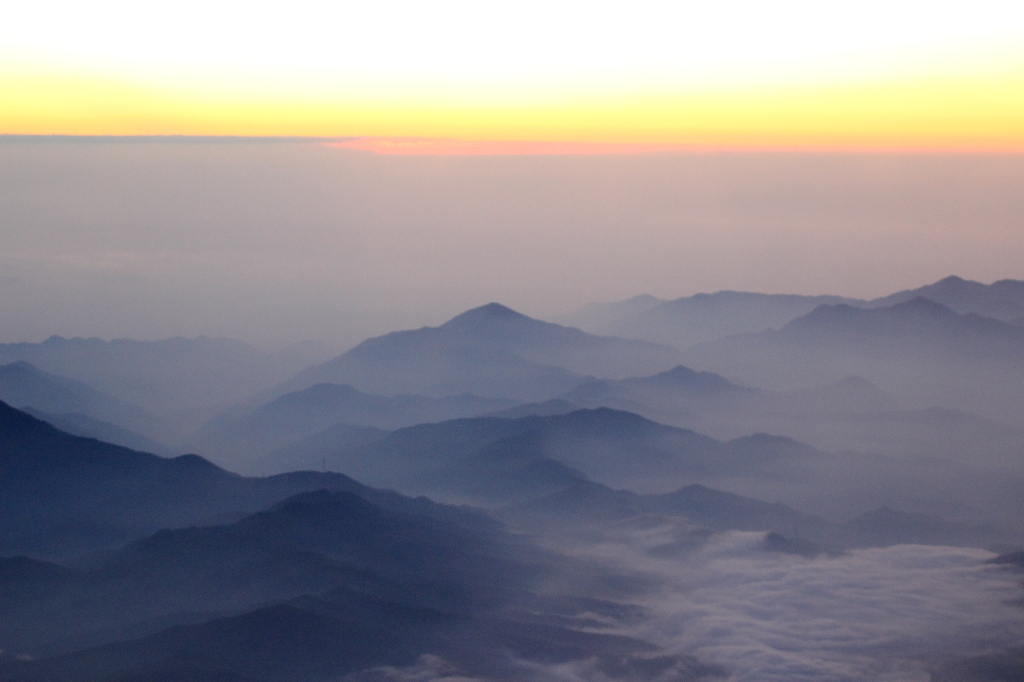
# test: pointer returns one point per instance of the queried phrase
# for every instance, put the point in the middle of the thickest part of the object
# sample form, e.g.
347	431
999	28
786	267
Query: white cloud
868	615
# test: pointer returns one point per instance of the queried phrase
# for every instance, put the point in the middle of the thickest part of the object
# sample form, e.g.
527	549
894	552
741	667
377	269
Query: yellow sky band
981	113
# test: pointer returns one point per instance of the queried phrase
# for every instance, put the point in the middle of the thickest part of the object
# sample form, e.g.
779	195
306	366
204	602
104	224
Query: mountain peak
920	304
490	313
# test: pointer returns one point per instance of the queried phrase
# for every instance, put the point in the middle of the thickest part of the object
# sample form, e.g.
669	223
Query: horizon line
429	146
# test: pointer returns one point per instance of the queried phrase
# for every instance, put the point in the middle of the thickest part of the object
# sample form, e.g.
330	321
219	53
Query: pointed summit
1003	300
490	351
487	314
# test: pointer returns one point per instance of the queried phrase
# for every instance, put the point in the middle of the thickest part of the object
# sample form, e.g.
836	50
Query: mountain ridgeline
670	492
491	351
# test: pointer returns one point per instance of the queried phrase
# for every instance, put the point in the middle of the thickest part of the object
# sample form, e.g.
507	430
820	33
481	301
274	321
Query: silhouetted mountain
24	385
695	319
313	639
320	585
239	441
179	379
672	394
773	542
1002	300
489	460
706	317
83	425
62	495
883	527
921	352
586	507
851	414
592	504
312	543
489	351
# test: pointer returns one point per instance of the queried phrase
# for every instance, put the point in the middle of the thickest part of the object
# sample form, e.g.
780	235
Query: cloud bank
867	615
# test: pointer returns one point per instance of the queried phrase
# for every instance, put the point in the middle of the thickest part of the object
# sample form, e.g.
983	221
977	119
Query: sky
275	242
640	76
335	170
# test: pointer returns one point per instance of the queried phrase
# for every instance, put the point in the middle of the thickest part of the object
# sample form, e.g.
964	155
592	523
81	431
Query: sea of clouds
749	615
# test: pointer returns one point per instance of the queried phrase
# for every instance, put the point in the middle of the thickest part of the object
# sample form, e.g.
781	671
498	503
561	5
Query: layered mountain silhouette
593	504
851	414
179	379
706	317
494	460
319	585
590	508
313	543
78	424
684	322
64	495
24	385
1002	300
490	351
241	439
921	352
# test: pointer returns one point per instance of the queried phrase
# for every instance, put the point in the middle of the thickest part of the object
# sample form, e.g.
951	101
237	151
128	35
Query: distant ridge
169	376
704	317
491	351
1002	300
62	495
920	351
488	313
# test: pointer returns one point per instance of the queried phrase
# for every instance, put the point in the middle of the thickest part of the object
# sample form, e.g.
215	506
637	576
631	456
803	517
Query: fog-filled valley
727	486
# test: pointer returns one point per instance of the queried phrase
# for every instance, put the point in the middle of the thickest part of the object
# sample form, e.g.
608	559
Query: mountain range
24	385
241	440
493	460
921	352
490	351
184	381
64	495
706	317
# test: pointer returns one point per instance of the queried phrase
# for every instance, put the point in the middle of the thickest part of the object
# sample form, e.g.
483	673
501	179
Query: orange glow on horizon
401	146
982	115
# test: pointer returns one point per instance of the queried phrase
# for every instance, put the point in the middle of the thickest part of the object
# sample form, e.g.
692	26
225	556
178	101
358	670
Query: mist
308	444
275	242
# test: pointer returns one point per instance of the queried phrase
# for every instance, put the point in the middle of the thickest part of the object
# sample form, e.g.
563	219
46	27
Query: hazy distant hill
62	495
594	504
169	377
851	414
921	352
238	440
490	351
494	460
677	392
78	424
313	543
705	317
319	585
24	385
1002	300
595	508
